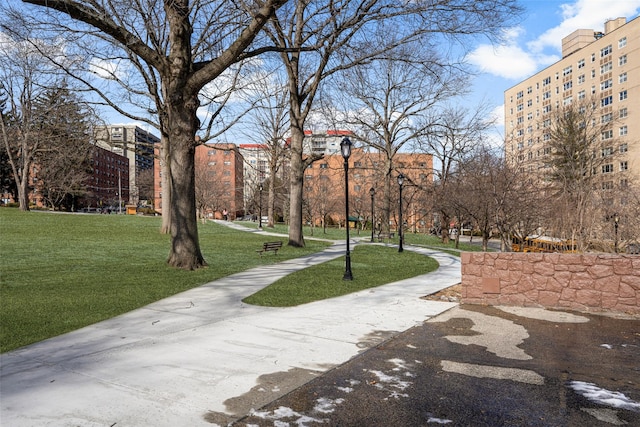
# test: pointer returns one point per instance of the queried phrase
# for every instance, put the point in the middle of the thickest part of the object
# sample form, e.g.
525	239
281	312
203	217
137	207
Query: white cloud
584	14
508	61
517	59
108	70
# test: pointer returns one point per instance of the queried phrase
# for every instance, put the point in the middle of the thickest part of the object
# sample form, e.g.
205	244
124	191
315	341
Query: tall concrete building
601	65
134	143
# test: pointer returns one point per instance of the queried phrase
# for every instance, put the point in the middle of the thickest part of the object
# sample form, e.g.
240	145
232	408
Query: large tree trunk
23	199
296	182
185	247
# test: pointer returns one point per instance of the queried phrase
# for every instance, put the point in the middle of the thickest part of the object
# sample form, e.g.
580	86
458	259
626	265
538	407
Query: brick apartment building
134	143
219	180
109	182
324	188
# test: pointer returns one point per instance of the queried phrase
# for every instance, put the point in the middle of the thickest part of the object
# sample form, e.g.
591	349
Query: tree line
182	66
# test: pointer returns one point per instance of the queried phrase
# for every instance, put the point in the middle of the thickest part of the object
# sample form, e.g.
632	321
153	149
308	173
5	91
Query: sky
535	43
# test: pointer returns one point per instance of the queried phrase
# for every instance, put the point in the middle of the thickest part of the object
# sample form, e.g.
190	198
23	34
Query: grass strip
372	265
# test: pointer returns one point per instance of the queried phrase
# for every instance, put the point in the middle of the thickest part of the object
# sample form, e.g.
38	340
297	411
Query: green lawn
60	272
372	265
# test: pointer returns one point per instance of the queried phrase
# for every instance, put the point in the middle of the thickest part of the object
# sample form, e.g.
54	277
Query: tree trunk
296	238
165	168
271	201
386	199
185	247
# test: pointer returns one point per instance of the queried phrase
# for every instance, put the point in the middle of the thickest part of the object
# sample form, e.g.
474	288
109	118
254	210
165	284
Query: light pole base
347	272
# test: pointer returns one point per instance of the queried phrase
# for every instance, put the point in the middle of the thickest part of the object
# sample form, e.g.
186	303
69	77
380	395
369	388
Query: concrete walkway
203	357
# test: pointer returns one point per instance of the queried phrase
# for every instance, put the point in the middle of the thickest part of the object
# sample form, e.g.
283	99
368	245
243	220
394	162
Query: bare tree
181	46
387	100
320	39
269	124
26	75
453	134
580	166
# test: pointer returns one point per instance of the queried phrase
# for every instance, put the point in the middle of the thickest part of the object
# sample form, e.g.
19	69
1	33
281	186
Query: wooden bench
270	247
385	236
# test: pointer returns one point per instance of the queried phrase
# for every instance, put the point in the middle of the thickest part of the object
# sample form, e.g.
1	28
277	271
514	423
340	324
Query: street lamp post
345	148
260	208
400	232
372	192
616	220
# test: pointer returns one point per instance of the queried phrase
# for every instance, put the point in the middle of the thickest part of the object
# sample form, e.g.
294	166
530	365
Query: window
211	163
581	79
622	78
546	95
568	70
324	166
226	173
546	81
623	113
227	163
520	107
567	101
546	109
593	73
593	57
581	63
623	130
606	84
607	185
607	168
623	148
567	85
606	118
582	95
605	68
605	51
607	100
519	95
622	42
623	95
607	151
624	166
624	183
227	152
622	60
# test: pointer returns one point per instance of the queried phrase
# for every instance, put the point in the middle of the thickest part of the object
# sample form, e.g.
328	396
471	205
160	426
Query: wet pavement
480	366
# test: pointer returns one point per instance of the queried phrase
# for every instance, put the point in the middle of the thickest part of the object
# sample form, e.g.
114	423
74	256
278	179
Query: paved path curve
203	357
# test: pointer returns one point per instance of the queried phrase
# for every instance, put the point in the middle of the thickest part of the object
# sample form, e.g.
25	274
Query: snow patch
327	406
604	397
438	421
607	346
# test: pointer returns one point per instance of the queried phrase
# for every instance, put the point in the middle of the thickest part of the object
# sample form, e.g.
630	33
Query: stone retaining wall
585	282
